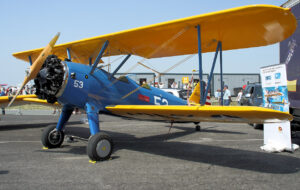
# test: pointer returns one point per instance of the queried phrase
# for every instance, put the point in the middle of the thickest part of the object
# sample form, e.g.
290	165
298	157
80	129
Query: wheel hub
103	148
54	137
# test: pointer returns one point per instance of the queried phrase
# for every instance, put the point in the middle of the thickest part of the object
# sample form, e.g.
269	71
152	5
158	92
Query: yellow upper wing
233	114
243	27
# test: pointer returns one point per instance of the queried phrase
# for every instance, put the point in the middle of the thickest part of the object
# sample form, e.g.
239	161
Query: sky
31	24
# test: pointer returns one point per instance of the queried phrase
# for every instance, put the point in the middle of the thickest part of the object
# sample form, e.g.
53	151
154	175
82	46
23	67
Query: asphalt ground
221	156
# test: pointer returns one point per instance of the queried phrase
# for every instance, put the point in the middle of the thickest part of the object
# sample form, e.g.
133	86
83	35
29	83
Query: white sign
277	136
274	85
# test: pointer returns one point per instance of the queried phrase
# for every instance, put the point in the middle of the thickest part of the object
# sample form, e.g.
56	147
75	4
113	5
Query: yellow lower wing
232	114
24	99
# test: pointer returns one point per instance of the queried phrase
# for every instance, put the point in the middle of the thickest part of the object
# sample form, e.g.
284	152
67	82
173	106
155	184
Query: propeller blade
37	65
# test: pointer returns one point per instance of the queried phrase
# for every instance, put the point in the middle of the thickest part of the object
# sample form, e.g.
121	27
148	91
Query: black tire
51	138
198	128
258	126
100	147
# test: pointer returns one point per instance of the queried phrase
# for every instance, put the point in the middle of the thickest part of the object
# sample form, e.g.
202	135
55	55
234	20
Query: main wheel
100	147
51	138
198	128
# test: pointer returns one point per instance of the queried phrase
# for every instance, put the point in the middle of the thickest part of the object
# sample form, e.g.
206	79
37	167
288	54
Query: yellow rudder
195	97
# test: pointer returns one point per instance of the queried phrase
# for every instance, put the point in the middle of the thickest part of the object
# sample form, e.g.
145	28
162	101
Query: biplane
70	74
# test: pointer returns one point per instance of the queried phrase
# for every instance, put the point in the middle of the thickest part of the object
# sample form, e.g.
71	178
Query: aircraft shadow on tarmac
9	127
208	130
4	172
209	154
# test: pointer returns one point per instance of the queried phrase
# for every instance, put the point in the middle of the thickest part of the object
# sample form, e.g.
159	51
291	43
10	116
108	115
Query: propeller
36	66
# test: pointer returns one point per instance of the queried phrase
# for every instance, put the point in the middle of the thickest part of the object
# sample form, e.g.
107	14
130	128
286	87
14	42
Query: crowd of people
12	90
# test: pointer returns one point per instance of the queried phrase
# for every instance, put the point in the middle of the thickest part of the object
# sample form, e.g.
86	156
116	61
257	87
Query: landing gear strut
100	145
53	136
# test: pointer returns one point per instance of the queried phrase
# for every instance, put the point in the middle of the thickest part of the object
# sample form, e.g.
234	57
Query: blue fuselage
100	89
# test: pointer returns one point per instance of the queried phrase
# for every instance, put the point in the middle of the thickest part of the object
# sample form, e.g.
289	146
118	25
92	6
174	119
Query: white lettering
160	101
78	84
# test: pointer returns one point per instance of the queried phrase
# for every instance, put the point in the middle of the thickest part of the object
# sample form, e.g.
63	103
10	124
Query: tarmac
146	156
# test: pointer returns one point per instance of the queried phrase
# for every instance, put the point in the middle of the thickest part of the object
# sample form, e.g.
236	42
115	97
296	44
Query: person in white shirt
226	96
239	96
174	85
161	85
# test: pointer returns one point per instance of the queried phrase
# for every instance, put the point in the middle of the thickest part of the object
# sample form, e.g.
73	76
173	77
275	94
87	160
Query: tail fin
195	97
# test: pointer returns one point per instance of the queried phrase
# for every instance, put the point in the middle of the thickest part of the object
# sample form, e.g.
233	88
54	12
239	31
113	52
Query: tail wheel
52	138
258	126
100	147
197	127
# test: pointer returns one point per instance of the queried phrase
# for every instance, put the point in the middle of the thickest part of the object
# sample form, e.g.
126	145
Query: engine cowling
50	79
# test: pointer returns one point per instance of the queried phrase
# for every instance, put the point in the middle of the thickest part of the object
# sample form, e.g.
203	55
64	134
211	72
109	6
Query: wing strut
99	56
119	67
200	65
219	46
90	61
69	54
203	92
221	74
30	60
